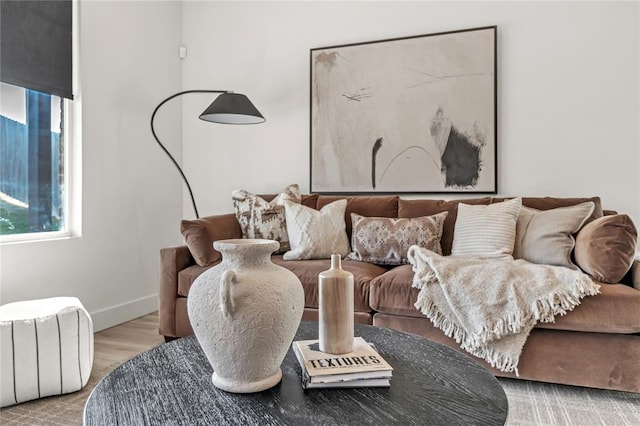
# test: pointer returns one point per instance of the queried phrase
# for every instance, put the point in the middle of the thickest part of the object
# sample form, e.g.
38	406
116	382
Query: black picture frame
414	114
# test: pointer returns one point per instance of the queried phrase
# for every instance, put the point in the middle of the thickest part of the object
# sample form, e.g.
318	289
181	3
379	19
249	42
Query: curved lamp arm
230	108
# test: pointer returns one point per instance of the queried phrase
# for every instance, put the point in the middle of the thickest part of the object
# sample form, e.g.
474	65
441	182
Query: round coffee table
431	384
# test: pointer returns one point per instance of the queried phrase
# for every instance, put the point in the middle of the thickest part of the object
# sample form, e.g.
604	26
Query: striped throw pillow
488	231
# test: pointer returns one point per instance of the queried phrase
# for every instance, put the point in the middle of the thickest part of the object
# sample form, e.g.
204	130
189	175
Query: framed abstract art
406	115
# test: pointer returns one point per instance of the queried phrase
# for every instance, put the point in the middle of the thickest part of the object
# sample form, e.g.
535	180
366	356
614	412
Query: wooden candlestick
335	303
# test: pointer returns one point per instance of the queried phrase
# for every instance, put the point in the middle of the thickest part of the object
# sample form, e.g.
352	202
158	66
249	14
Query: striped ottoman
46	348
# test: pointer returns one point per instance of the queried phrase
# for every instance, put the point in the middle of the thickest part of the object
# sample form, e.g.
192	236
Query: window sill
36	237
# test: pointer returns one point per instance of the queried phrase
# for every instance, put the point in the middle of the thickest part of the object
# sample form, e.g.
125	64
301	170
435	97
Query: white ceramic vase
245	312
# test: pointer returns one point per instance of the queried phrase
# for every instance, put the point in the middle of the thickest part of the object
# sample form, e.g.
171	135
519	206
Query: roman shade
36	45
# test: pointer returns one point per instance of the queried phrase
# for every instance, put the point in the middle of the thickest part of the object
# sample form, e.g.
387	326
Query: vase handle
226	302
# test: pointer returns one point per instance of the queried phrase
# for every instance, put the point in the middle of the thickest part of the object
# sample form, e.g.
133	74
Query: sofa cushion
488	231
199	235
417	208
316	234
307	271
377	205
385	240
606	247
309	200
546	236
615	310
391	293
259	218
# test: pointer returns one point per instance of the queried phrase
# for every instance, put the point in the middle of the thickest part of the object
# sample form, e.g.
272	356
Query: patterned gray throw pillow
259	218
385	241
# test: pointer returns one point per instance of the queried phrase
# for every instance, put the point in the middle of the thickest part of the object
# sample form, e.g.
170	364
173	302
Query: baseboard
114	315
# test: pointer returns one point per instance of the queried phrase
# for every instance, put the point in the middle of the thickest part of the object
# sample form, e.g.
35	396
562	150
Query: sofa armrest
635	274
172	261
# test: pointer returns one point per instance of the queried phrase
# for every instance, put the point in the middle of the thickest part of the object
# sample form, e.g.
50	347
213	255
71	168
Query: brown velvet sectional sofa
596	345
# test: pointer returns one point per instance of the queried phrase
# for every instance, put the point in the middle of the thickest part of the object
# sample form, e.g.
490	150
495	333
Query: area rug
62	410
542	404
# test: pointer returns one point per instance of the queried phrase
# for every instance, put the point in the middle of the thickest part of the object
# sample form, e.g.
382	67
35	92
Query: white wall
128	64
568	90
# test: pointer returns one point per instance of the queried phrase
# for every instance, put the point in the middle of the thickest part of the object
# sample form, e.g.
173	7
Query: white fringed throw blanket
489	306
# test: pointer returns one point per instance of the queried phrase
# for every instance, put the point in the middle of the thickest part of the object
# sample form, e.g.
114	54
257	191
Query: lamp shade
232	108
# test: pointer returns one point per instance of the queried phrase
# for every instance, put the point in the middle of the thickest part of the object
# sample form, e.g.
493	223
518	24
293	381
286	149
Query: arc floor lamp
227	108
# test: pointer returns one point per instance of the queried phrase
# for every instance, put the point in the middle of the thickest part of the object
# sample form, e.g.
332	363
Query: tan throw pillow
316	234
385	241
487	231
264	219
545	236
606	247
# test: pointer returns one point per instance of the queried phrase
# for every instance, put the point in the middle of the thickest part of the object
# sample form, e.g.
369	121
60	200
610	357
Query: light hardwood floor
124	341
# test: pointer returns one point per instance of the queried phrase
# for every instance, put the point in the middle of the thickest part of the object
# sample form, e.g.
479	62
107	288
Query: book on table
362	367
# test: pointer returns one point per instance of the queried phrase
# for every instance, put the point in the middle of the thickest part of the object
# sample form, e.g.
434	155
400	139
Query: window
32	161
36	74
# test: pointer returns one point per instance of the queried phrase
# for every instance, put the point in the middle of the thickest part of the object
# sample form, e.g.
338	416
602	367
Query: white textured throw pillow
316	234
488	231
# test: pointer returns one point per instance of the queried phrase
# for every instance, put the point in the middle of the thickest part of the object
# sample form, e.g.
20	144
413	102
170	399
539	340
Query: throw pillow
199	235
545	236
487	231
606	247
259	218
385	241
316	234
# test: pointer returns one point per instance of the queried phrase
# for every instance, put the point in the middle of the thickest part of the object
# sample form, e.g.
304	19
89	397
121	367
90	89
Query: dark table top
431	385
